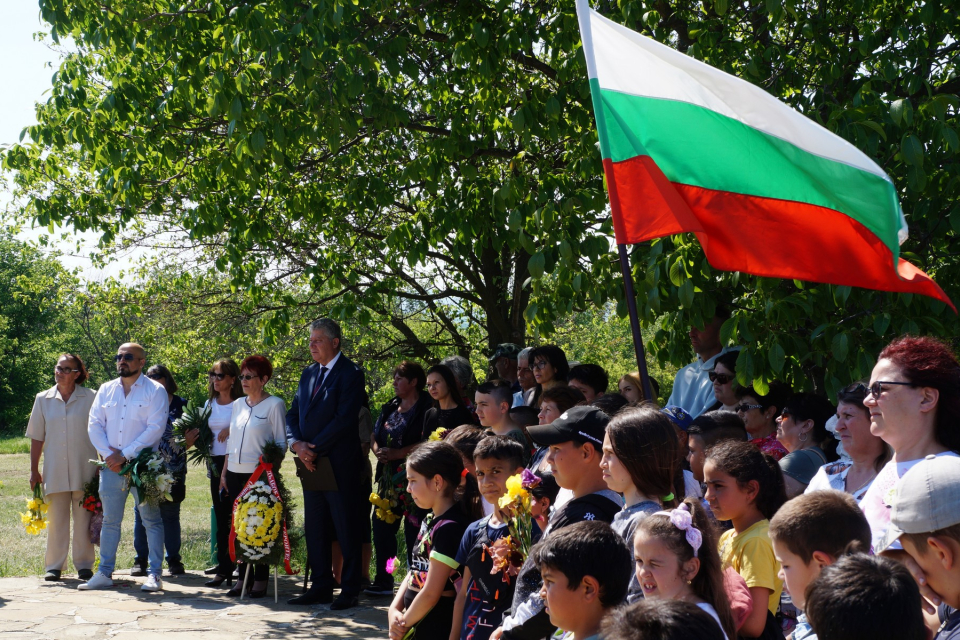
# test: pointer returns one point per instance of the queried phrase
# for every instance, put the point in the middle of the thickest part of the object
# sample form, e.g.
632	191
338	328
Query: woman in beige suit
58	430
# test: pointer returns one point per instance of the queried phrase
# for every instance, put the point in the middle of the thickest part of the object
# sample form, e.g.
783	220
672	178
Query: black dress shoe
85	574
313	597
236	591
344	602
176	568
258	593
53	575
210	571
219	580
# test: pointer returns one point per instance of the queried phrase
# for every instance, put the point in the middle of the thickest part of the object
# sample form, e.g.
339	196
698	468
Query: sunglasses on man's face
721	378
218	376
124	357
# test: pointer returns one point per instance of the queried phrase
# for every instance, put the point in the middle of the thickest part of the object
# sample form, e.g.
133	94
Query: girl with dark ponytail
746	487
438	482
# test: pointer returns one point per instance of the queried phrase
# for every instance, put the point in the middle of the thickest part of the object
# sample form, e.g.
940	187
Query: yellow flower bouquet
35	519
510	552
262	513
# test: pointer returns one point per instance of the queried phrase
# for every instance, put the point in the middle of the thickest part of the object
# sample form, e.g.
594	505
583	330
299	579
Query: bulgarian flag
766	190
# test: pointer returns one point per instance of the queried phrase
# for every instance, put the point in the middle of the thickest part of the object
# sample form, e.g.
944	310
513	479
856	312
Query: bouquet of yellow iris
391	499
510	552
35	519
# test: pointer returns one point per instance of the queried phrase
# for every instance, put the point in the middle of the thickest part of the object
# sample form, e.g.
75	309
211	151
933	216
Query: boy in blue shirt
484	596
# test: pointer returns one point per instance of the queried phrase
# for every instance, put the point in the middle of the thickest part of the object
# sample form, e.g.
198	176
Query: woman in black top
448	411
398	431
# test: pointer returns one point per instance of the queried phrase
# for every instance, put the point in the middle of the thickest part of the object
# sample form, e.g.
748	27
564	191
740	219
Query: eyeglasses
65	370
856	388
877	387
156	376
722	378
218	376
743	408
540	364
243	377
124	357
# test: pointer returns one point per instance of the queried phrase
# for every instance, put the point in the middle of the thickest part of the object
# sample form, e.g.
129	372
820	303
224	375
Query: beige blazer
62	427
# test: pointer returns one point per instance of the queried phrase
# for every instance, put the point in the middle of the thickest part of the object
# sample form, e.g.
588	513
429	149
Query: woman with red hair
256	419
914	404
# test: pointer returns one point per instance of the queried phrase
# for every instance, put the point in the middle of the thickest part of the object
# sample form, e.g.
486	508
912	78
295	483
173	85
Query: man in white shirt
692	388
128	415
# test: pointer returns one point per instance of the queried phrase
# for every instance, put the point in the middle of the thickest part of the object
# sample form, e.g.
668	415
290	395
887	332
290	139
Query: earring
803	437
689	581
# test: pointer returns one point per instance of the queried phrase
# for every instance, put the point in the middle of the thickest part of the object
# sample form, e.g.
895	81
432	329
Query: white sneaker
152	583
98	581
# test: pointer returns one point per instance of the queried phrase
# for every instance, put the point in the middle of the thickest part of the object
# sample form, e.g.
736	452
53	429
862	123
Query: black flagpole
635	323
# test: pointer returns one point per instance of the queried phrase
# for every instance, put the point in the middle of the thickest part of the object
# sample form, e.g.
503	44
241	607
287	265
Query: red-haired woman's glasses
877	387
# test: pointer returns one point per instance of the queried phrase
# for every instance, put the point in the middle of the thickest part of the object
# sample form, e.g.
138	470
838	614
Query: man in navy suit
323	422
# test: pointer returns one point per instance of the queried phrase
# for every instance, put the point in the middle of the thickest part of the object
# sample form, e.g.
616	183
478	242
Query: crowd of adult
715	466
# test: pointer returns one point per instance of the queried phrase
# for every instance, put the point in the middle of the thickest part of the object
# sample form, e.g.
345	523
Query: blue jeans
113	496
170	517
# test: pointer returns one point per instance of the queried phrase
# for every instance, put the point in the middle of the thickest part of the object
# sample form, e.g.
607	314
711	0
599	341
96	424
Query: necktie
323	374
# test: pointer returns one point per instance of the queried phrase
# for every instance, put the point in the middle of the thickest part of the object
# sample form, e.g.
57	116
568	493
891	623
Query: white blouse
251	428
220	415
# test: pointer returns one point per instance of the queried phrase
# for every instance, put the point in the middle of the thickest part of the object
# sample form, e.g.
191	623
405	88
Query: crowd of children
718	552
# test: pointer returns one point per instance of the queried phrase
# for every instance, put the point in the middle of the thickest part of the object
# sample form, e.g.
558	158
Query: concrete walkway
185	609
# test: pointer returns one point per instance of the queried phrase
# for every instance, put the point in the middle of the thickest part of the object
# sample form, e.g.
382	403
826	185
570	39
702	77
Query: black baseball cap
580	424
506	350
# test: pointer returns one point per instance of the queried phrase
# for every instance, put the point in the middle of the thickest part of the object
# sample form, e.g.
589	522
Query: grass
22	554
15	444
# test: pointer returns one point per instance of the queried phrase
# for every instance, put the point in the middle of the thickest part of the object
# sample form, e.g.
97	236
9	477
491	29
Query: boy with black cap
925	517
575	442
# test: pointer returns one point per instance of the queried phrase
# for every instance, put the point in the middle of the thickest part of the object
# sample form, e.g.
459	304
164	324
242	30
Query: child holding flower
438	482
486	593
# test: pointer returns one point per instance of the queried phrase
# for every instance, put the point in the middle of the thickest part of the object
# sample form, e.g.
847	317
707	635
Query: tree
427	159
32	288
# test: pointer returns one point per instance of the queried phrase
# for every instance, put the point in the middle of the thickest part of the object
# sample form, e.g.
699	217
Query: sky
25	77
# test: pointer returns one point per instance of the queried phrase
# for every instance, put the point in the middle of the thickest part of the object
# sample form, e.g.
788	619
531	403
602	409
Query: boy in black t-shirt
575	440
484	596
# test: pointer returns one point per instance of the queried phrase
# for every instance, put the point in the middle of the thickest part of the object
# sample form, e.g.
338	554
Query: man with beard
127	416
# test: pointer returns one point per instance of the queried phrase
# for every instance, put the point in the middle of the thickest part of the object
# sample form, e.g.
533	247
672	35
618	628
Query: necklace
857	490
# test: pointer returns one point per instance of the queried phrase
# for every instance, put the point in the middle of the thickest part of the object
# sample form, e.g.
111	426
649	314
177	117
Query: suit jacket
331	419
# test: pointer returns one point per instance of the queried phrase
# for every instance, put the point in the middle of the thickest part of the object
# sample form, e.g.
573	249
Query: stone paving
185	609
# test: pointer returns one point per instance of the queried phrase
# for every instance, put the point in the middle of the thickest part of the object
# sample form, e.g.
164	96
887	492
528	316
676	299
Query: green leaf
912	149
777	357
686	294
536	264
881	323
838	346
727	330
677	274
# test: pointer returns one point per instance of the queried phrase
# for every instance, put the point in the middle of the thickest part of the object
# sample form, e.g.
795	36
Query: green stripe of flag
696	146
